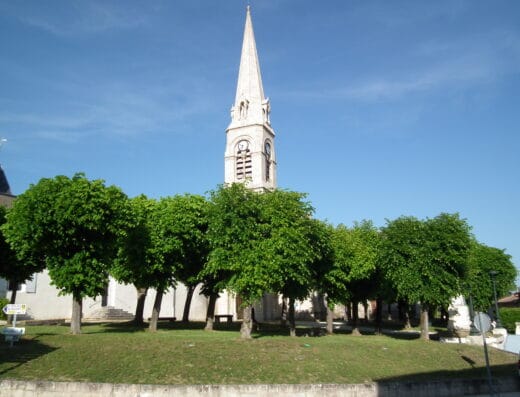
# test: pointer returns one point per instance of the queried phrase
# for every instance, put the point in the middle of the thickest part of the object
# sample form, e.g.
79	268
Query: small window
30	285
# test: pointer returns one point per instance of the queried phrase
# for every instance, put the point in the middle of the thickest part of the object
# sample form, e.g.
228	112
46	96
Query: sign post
12	334
483	324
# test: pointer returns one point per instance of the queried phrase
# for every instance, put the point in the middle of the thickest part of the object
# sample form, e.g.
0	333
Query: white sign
18	308
13	331
482	322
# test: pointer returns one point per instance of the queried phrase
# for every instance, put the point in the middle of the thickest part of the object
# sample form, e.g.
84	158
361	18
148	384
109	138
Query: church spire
250	153
250	104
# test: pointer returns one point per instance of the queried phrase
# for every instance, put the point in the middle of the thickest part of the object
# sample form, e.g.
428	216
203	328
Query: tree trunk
139	307
355	318
401	310
425	335
365	309
404	314
330	319
12	301
389	317
210	314
283	317
187	304
75	320
379	315
292	322
245	329
348	311
152	327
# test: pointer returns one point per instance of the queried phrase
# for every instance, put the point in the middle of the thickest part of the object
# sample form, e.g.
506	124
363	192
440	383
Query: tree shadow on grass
162	325
22	352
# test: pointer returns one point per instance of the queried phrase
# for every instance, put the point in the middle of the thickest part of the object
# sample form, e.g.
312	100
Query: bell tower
250	156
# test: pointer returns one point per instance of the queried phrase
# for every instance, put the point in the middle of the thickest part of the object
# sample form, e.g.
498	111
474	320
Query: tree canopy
482	260
12	268
426	260
71	227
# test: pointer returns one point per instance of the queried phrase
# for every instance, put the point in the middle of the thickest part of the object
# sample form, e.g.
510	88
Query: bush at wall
509	316
3	302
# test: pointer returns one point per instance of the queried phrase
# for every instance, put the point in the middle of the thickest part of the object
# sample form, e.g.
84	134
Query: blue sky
381	108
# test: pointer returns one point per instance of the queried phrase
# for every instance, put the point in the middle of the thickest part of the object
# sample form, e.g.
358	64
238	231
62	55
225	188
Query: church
249	157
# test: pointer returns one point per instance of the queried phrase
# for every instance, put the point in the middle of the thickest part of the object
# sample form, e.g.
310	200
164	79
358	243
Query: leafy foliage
189	223
70	226
294	245
482	260
425	260
355	261
264	242
11	268
509	317
133	264
235	230
3	302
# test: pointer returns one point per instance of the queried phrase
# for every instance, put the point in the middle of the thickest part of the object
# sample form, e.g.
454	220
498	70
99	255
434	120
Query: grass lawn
179	354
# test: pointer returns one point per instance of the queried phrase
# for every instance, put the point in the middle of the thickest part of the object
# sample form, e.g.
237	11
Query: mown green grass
177	354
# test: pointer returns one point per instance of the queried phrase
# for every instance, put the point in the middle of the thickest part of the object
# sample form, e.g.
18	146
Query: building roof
511	300
4	185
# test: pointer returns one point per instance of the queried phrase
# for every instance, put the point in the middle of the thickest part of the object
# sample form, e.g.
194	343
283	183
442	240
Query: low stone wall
447	388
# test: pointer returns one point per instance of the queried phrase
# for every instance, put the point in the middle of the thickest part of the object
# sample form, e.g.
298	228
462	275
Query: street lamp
493	274
472	329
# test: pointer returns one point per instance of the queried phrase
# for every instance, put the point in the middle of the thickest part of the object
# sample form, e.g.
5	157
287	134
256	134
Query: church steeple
250	155
249	100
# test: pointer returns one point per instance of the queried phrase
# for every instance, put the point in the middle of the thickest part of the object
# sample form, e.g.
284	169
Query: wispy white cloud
83	18
113	109
436	65
405	13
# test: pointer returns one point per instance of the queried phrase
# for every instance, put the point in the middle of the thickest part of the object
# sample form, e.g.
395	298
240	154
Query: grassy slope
123	354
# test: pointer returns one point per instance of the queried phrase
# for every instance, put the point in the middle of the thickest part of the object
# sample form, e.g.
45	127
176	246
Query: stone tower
250	154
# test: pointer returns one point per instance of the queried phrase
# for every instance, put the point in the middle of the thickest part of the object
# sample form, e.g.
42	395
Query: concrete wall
448	388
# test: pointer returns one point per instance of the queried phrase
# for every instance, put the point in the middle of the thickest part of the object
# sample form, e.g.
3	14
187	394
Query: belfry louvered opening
244	168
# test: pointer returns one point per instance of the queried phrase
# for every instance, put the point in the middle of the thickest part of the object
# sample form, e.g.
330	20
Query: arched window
267	153
244	168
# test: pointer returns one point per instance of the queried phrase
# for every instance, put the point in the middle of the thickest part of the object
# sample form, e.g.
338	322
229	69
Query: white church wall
226	304
125	297
43	301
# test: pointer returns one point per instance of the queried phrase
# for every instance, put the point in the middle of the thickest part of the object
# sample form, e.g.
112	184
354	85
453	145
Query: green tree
234	233
190	224
352	275
482	260
70	226
12	268
264	243
133	264
166	251
294	246
426	260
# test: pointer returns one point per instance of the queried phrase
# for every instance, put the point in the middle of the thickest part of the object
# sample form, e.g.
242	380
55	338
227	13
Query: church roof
4	185
249	85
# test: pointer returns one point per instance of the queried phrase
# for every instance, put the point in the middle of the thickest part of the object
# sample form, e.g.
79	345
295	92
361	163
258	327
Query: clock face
268	149
242	145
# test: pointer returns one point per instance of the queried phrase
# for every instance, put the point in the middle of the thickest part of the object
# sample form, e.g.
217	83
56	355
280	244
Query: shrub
3	302
508	316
